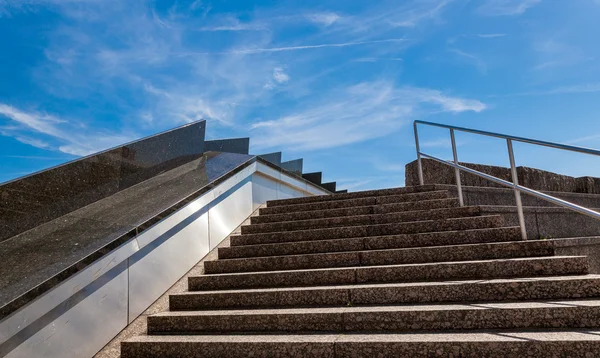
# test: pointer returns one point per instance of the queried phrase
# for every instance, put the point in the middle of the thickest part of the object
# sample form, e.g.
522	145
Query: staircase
389	273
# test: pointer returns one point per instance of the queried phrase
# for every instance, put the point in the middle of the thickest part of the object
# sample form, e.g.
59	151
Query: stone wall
438	173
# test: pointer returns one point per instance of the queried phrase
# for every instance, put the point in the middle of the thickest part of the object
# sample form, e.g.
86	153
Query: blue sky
336	82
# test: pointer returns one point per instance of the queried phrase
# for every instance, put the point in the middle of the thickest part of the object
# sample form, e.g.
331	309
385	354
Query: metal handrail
515	183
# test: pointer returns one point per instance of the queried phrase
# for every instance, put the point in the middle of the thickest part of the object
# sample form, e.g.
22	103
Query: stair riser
386	321
386	294
325	349
513	349
362	220
356	211
264	349
354	195
405	273
336	204
386	242
443	238
381	257
479	222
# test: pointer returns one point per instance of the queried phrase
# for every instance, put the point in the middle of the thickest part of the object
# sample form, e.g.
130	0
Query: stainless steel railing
515	180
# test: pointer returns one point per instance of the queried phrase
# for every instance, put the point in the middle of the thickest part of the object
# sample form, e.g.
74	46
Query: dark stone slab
329	186
316	177
39	259
41	197
232	145
293	166
437	173
274	158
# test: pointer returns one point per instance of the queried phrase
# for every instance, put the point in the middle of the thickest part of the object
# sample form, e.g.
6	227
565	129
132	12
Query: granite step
357	210
512	289
389	218
453	224
336	204
503	234
493	344
390	318
346	270
352	195
383	257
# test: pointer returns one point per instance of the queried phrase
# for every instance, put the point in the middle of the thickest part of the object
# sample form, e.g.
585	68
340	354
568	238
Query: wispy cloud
57	134
251	51
490	36
555	53
591	138
233	24
574	89
506	7
417	13
323	18
353	114
478	62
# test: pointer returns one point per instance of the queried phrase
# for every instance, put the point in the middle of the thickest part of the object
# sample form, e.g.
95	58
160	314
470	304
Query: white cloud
490	36
581	88
324	19
57	134
478	62
251	51
506	7
353	114
280	76
233	24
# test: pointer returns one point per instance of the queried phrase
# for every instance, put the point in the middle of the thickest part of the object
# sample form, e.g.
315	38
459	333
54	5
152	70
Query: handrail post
513	170
456	169
419	163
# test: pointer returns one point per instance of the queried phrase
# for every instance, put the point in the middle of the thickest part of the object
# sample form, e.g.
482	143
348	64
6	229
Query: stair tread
480	218
390	308
404	249
587	277
427	264
481	336
307	245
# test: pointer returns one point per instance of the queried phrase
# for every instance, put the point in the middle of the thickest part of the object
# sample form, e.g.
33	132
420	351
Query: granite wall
28	202
437	173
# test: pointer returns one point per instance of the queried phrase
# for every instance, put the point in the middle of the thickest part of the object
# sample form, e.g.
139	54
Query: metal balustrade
515	180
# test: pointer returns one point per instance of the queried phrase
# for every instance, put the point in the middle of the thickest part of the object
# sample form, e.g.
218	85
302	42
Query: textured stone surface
228	347
541	288
292	248
292	262
411	278
513	344
383	257
335	204
353	195
451	224
437	173
543	266
296	278
407	216
393	318
443	238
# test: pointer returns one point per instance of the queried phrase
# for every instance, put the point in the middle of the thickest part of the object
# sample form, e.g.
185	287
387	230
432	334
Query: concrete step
352	273
392	318
377	242
383	257
513	289
493	344
478	222
358	210
353	195
388	218
336	204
